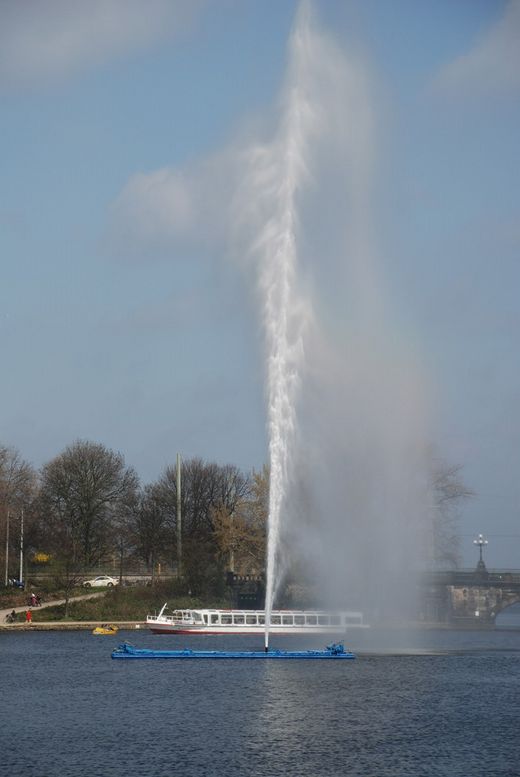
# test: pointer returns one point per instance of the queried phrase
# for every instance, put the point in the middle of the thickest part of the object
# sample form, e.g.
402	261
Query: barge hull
129	652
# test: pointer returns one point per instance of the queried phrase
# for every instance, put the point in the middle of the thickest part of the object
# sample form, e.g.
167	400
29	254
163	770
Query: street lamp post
480	542
7	547
179	518
7	550
21	547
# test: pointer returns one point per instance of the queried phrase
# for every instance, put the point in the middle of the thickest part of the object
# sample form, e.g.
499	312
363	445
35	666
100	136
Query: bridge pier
469	598
476	605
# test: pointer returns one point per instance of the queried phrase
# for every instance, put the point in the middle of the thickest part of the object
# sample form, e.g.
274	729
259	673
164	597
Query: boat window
323	620
197	617
214	617
299	620
251	620
353	618
238	619
205	618
275	620
311	620
287	620
261	620
226	619
335	620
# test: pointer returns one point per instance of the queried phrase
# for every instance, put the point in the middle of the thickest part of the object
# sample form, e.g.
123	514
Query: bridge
469	597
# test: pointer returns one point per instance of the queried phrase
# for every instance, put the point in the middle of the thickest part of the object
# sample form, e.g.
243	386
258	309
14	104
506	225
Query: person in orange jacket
28	616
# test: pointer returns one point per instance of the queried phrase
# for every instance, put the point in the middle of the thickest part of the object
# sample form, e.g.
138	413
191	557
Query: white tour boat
252	622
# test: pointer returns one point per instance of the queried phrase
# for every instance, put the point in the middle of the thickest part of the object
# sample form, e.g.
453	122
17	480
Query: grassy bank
123	604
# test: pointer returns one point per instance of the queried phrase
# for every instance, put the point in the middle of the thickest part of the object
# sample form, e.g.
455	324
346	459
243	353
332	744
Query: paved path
52	603
71	625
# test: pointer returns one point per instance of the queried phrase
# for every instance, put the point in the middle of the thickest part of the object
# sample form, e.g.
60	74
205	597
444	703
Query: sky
126	316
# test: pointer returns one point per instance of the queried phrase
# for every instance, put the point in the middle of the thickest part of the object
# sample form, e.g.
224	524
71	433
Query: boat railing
289	618
286	618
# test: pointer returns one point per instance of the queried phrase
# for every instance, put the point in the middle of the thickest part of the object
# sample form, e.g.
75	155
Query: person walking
28	616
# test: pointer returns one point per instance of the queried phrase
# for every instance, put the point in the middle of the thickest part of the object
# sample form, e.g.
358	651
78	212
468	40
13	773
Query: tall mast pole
179	518
7	550
21	548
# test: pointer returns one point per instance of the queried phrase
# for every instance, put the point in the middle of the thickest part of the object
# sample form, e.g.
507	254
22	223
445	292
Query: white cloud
43	40
492	65
227	197
166	207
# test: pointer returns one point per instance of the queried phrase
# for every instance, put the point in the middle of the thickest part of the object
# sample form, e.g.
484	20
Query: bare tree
123	529
17	480
150	529
449	491
241	535
18	485
206	489
83	492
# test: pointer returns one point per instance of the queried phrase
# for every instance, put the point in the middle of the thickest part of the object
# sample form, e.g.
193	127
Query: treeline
86	508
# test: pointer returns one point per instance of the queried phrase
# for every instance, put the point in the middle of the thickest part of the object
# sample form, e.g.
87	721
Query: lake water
452	711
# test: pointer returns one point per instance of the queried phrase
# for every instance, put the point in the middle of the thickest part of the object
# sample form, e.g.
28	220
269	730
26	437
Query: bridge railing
474	577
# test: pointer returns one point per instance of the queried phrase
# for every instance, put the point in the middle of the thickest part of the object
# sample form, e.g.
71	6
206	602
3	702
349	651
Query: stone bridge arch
471	598
515	600
480	604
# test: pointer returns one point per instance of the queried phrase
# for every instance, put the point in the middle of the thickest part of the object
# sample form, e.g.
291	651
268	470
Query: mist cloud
169	207
45	40
295	205
491	66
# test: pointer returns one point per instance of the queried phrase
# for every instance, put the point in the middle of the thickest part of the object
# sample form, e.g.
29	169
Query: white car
103	581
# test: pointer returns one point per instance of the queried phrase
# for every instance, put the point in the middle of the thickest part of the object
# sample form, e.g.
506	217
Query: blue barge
334	652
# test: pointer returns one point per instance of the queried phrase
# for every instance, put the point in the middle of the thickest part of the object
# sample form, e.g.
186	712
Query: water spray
364	421
280	177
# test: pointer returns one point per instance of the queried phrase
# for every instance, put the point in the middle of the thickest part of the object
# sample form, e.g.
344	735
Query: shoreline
71	625
141	625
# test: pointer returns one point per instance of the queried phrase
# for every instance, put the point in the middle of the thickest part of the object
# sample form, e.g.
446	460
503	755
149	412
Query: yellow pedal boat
106	628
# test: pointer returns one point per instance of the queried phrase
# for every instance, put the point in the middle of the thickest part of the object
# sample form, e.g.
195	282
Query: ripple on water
65	702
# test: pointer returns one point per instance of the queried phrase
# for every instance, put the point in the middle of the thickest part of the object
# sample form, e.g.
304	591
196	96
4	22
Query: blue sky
117	327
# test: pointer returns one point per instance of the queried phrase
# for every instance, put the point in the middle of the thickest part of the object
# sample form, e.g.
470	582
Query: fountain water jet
276	174
349	406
